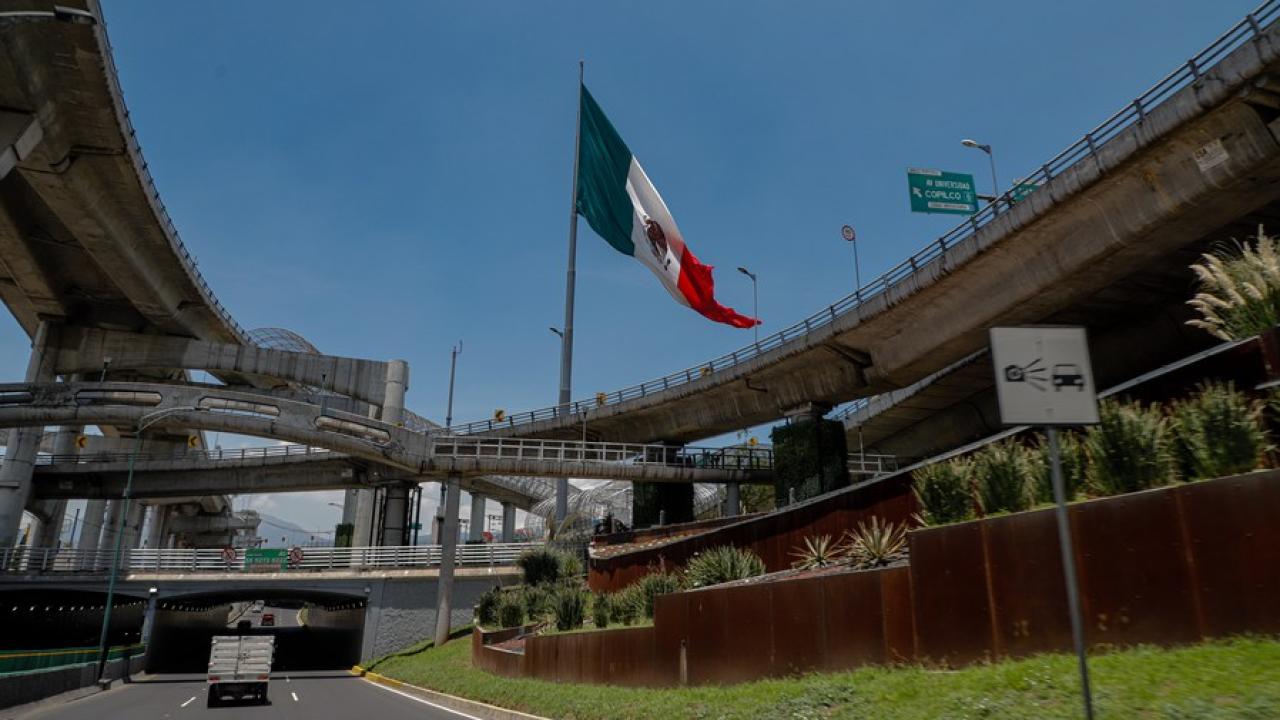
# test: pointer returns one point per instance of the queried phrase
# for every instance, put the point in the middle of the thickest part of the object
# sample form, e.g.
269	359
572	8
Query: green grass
1236	679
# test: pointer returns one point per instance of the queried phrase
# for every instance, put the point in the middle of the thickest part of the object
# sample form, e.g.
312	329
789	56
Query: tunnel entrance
46	619
313	631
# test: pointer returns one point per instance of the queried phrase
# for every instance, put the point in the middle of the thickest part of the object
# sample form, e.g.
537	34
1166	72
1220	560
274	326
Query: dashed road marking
295	696
189	701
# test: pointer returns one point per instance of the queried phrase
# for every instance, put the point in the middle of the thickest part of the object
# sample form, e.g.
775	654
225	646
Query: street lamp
557	331
851	237
995	185
453	367
144	422
755	301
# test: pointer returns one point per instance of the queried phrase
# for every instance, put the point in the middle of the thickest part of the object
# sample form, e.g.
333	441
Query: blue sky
387	179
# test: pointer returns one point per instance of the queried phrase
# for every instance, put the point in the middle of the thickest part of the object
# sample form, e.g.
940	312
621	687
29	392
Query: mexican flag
619	202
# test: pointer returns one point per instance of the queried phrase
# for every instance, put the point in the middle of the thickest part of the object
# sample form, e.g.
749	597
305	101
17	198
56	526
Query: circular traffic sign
295	556
847	233
228	555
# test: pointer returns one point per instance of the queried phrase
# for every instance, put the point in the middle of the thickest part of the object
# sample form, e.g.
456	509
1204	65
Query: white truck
240	668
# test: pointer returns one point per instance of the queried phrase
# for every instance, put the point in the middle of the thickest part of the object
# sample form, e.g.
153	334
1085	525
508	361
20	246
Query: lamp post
755	300
995	184
453	367
143	423
851	237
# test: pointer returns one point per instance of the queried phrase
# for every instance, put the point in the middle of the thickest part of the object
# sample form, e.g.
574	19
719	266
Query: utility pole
453	368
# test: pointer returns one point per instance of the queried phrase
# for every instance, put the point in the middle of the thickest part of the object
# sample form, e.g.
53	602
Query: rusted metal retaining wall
772	536
1167	566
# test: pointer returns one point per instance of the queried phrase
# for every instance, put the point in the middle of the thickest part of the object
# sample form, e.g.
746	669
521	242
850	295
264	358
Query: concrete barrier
27	687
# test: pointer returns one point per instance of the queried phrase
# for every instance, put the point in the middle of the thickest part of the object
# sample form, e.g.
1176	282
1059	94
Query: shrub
722	564
624	606
510	610
569	604
653	585
1129	449
817	552
535	601
570	566
1071	456
487	606
1003	473
1239	293
600	610
540	565
1218	432
943	492
875	544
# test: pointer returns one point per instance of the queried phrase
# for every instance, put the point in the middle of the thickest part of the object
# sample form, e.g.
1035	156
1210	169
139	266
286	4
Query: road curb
470	707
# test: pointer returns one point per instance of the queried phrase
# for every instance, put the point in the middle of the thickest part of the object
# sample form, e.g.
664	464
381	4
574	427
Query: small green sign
415	526
265	559
935	191
1022	190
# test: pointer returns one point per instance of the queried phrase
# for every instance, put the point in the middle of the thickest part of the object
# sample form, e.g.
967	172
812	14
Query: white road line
415	698
189	701
295	696
286	679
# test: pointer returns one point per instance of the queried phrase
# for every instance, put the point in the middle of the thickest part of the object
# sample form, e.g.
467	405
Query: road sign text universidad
936	191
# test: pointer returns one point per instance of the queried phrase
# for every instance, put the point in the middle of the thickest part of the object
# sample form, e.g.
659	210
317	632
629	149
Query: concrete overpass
1104	241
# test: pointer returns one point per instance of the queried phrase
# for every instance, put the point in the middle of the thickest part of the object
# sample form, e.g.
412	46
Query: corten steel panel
854	621
1134	584
770	536
948	585
1233	528
799	624
896	609
670	629
1025	564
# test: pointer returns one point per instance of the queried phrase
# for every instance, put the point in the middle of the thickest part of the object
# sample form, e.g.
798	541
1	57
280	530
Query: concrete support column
64	444
133	525
448	555
732	500
508	522
24	443
437	524
475	528
395	509
362	536
95	512
158	529
349	500
397	384
114	512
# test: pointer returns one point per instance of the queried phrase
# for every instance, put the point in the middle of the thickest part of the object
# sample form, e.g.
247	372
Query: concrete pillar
133	525
395	509
24	443
397	384
64	444
475	529
158	529
448	554
732	500
810	455
437	525
91	525
349	500
362	536
508	522
115	512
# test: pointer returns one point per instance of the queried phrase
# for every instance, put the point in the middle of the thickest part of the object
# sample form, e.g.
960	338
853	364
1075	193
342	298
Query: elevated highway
1104	242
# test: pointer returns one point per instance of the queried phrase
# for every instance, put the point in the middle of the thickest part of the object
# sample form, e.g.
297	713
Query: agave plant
720	564
1239	294
875	544
817	552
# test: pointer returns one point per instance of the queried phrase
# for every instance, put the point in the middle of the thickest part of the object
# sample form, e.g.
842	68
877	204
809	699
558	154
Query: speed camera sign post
1043	377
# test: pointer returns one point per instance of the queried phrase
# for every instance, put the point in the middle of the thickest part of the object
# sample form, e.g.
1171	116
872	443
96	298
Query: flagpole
566	341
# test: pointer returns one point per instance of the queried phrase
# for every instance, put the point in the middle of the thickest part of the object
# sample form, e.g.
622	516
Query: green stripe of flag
603	163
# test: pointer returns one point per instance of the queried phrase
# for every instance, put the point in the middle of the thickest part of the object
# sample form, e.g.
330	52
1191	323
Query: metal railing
872	464
312	559
235	454
1085	148
573	451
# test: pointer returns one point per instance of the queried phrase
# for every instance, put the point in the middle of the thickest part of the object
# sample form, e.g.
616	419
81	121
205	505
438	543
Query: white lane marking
415	698
286	679
295	696
189	701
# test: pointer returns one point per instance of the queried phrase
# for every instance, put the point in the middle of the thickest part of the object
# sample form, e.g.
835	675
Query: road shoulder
453	703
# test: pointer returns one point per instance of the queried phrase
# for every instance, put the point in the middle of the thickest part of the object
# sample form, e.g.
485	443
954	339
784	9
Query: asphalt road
294	696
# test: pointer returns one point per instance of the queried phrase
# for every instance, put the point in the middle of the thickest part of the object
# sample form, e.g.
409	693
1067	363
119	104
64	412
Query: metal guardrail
236	454
573	451
1085	148
872	464
313	559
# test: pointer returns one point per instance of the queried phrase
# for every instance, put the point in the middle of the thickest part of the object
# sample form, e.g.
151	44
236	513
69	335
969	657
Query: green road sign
265	559
935	191
415	526
1022	190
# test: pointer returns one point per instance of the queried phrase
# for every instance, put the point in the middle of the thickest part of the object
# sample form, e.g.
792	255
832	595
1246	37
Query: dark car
244	625
1068	375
